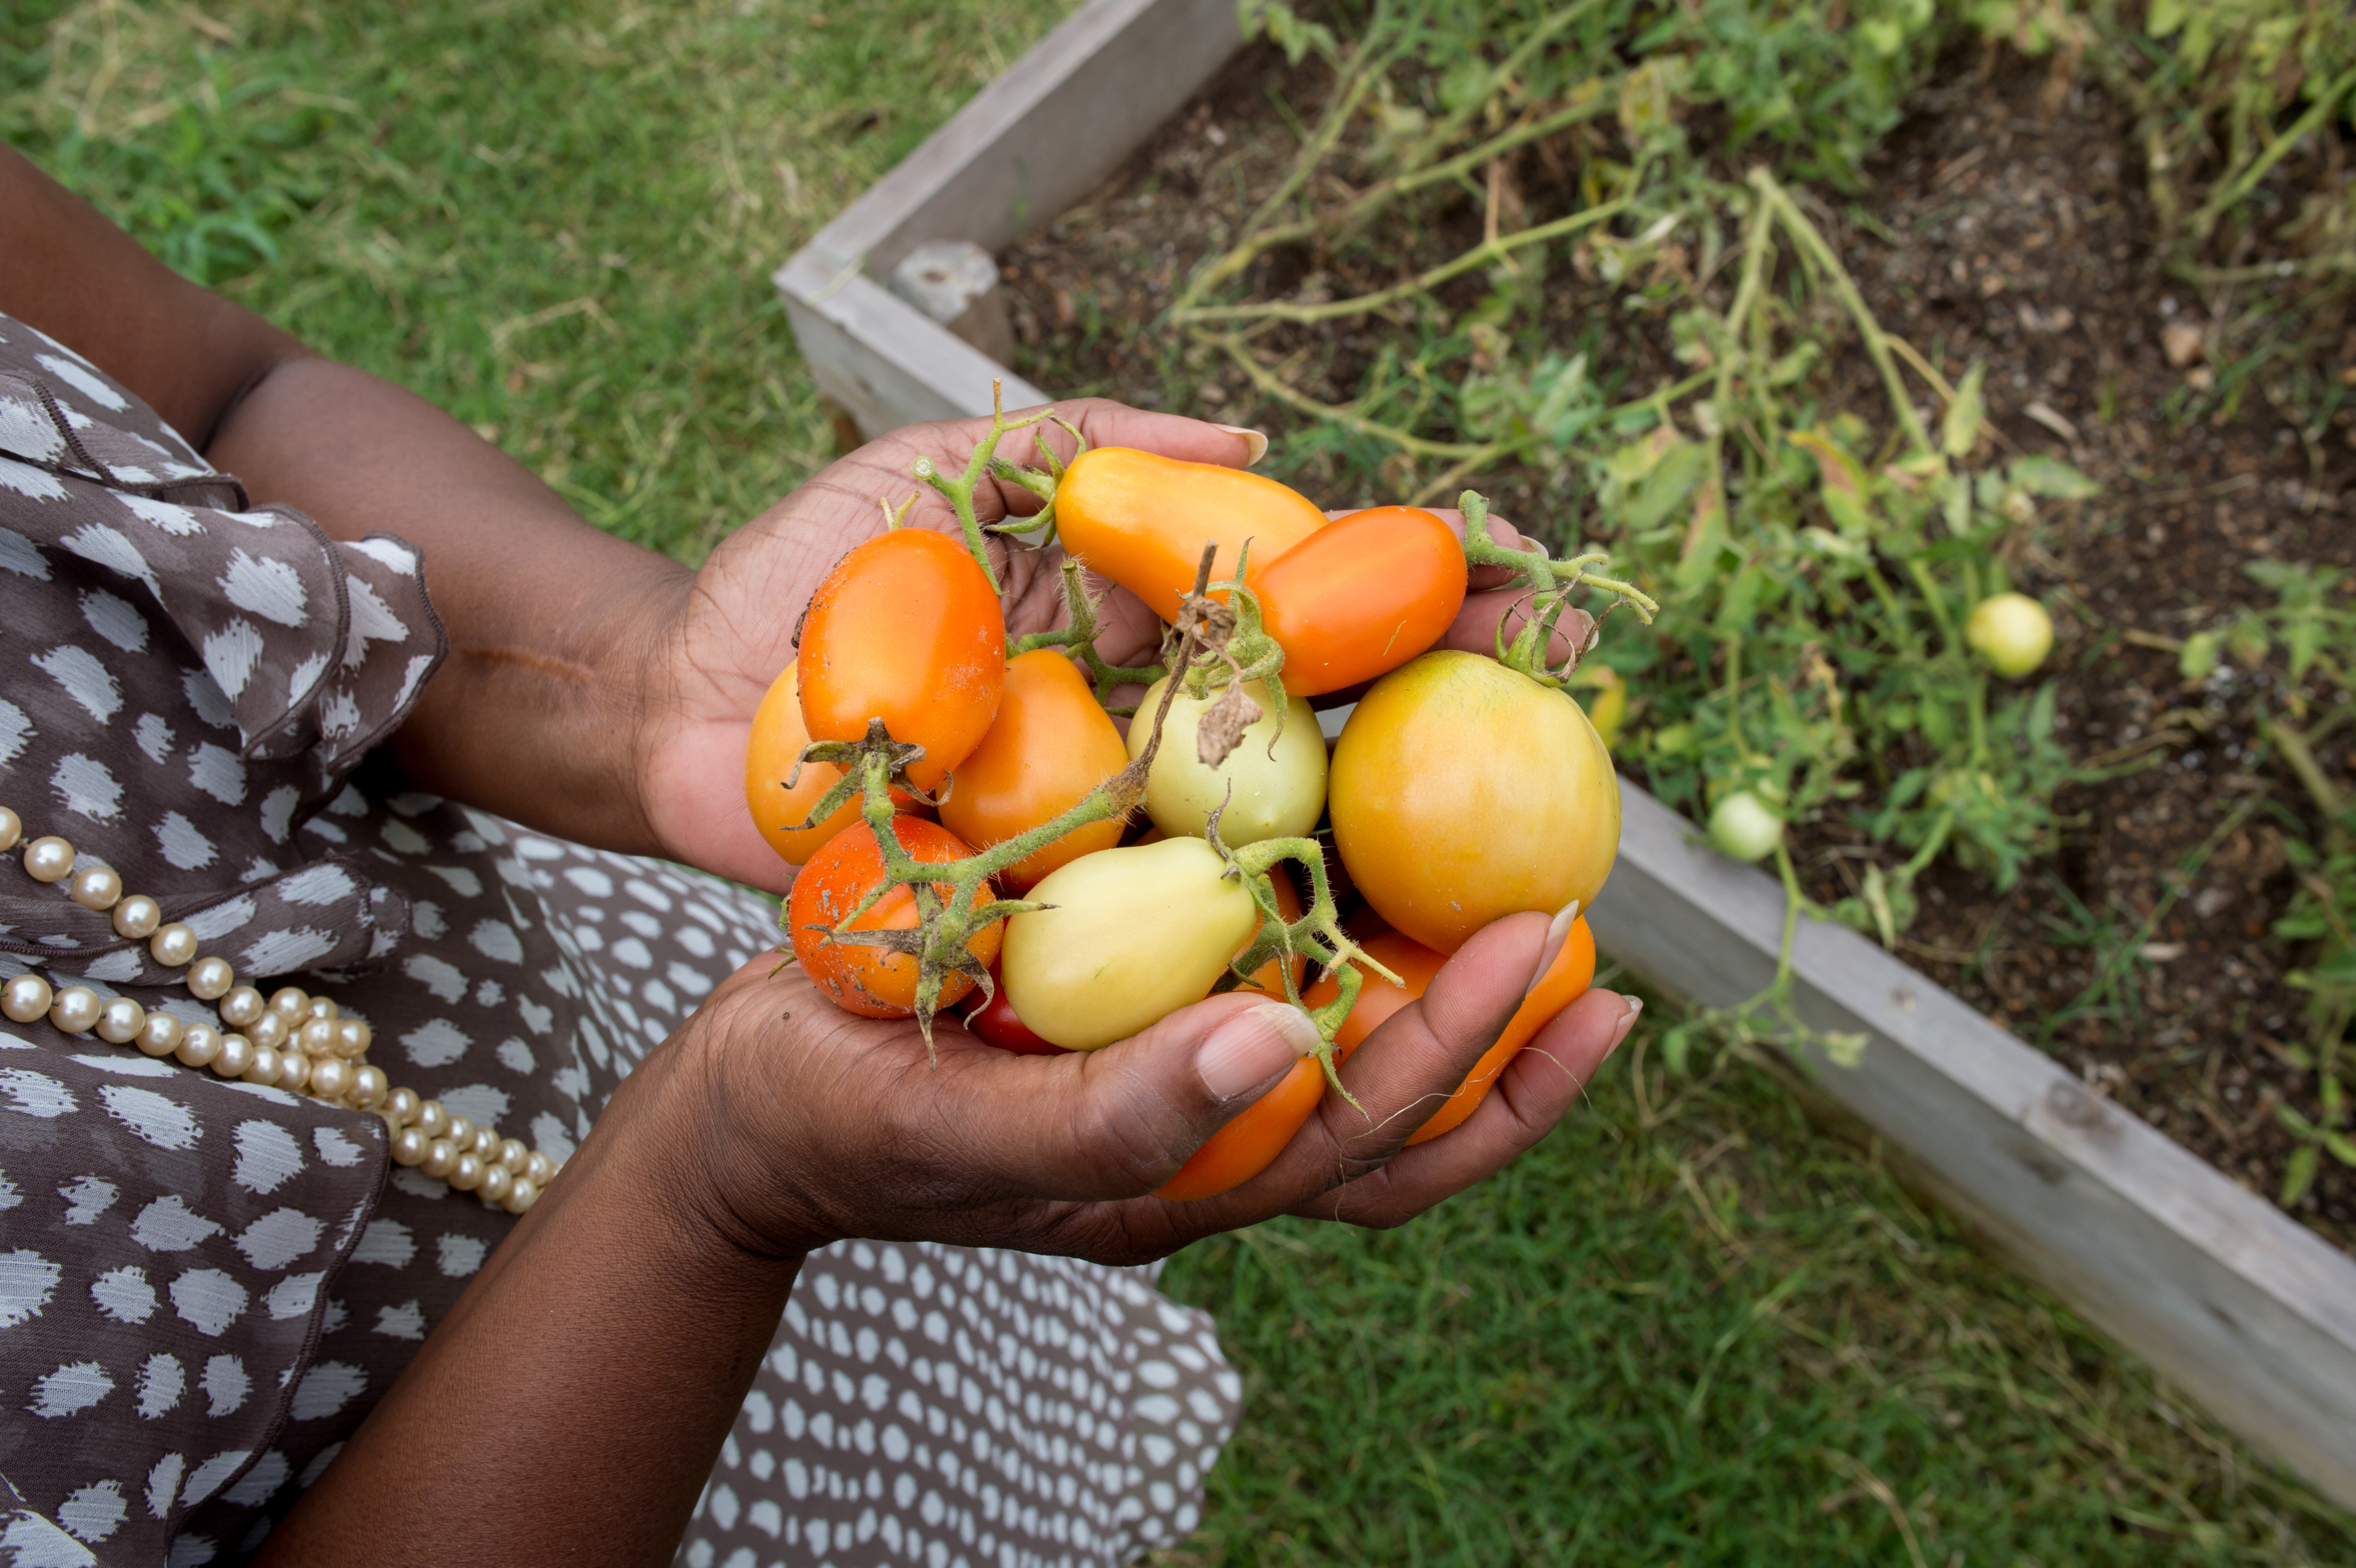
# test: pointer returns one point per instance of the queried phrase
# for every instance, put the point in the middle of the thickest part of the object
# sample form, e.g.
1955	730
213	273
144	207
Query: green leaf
2341	1149
2050	476
1960	431
2248	642
2199	655
2299	1174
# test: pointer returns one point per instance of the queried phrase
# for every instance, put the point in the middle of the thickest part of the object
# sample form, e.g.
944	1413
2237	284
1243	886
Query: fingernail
1253	1047
1627	1022
1254	444
1557	934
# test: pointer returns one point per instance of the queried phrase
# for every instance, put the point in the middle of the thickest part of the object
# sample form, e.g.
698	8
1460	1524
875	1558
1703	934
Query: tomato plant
1134	934
871	981
1268	793
906	628
1049	746
1361	596
1463	791
1142	520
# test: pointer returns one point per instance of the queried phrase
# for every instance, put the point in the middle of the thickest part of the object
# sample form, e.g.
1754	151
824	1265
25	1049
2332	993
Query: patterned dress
206	1286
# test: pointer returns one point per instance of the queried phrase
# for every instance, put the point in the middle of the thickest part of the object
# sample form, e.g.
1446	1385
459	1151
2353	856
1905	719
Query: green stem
2246	181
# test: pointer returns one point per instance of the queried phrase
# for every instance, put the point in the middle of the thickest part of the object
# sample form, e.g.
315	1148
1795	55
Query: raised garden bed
2055	1159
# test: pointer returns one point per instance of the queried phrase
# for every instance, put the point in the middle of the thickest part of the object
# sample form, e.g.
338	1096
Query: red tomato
1142	520
1050	745
905	629
774	747
996	1022
871	981
1564	981
1363	595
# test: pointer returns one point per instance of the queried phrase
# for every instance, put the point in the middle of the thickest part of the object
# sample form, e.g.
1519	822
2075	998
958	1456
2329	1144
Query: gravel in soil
2007	223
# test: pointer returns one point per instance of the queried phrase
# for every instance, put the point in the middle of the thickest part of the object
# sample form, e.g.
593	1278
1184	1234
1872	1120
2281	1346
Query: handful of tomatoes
974	827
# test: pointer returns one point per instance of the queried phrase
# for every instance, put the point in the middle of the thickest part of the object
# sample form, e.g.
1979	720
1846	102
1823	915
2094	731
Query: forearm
536	714
570	1406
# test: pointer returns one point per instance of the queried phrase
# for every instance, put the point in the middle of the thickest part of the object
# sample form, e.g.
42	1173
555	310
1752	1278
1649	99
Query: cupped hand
809	1124
735	631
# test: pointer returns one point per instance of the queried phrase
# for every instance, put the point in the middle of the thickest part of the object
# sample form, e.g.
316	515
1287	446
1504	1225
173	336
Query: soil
2007	223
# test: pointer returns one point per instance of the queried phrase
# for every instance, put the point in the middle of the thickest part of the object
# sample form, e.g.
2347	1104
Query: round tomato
996	1022
1361	596
1135	934
872	981
770	756
1050	745
905	629
1463	792
1273	796
2012	632
1142	520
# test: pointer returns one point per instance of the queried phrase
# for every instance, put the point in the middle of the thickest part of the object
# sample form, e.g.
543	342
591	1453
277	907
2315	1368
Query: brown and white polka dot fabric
205	1287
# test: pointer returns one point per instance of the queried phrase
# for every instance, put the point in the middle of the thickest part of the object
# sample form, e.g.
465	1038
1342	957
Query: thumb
1117	1123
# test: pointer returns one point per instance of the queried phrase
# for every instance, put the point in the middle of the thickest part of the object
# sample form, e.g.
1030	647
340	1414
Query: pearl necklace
288	1039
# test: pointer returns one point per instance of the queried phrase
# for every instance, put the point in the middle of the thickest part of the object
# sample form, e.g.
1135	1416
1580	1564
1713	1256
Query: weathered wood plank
881	358
2250	1312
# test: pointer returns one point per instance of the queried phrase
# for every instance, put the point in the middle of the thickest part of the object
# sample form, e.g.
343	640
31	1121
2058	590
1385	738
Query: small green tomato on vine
1744	827
2012	632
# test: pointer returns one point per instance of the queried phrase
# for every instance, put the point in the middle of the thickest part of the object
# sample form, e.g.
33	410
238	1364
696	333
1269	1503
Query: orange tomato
1142	520
871	981
1363	595
1049	746
1564	981
905	629
769	758
996	1022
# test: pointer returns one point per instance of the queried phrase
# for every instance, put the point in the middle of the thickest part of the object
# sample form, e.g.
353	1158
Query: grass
1697	1332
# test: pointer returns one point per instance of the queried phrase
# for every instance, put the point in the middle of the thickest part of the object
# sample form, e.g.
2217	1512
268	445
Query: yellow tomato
1278	796
1463	792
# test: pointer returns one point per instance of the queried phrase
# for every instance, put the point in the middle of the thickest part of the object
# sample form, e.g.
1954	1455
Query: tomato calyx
1080	637
1550	583
985	463
1233	650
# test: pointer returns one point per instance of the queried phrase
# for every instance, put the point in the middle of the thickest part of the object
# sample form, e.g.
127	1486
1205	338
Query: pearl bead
76	1009
96	888
511	1154
199	1043
369	1086
317	1036
432	1117
466	1174
137	916
175	945
11	827
243	1006
409	1147
352	1039
440	1158
265	1066
331	1077
294	1070
120	1021
26	998
235	1058
48	859
210	977
538	1168
324	1007
497	1183
461	1134
290	1002
521	1195
269	1030
160	1034
401	1104
487	1145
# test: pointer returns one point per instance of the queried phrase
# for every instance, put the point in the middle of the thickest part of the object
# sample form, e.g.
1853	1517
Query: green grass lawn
1692	1331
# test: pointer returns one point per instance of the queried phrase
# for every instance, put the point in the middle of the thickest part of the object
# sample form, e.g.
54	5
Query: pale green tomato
1743	827
1279	796
2012	632
1136	933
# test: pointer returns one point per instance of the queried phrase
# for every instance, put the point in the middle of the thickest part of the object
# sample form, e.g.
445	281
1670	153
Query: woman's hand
735	632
